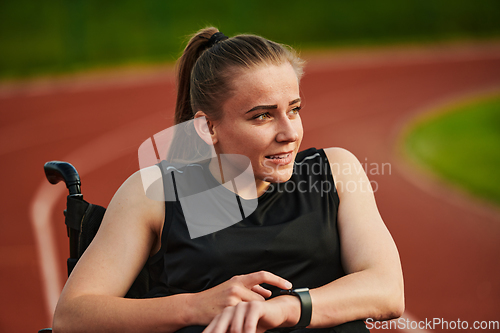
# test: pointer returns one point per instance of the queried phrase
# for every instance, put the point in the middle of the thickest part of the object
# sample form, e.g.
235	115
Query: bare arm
373	286
92	299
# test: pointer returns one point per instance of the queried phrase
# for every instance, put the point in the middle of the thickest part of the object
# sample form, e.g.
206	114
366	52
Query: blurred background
63	36
411	83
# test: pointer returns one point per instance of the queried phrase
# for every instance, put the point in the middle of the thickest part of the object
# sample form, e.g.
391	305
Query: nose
287	131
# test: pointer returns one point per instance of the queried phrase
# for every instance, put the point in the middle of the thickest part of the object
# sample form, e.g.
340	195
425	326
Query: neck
247	186
261	186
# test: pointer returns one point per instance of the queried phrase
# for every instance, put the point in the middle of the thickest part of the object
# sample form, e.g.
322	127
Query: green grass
461	145
59	36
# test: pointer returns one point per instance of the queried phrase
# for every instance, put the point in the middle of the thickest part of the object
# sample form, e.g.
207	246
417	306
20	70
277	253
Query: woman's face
261	121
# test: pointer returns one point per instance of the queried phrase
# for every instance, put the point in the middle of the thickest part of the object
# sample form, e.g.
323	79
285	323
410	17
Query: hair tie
215	38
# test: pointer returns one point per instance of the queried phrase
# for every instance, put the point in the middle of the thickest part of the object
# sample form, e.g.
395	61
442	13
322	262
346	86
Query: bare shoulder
141	194
350	177
144	184
344	164
340	155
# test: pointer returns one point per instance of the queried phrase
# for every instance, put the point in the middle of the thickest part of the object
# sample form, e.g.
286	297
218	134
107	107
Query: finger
253	279
213	323
252	317
224	320
248	295
261	291
238	318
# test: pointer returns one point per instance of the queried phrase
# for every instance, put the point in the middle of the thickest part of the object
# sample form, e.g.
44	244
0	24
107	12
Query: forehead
263	85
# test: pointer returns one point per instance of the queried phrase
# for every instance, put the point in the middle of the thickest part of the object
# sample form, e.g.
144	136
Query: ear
205	128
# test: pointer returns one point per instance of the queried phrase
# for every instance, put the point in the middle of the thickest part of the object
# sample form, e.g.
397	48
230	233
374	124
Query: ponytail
195	47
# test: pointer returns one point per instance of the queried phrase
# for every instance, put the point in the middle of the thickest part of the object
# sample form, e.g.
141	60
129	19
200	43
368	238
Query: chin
279	176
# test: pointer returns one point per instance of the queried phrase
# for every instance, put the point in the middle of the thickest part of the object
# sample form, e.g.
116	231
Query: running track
449	244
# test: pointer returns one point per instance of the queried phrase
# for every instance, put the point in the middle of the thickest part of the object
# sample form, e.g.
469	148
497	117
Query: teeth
277	156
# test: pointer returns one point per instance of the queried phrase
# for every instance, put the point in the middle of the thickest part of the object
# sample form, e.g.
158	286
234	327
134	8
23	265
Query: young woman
308	230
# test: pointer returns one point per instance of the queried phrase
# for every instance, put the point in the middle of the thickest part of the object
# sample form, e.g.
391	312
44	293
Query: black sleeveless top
292	233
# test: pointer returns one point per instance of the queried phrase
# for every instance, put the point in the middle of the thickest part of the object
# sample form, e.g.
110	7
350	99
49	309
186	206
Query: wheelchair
82	221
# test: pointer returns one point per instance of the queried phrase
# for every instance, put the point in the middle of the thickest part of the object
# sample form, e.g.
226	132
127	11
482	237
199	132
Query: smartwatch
305	305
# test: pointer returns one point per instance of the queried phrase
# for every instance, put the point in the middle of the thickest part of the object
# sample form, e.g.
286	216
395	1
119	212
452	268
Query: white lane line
41	212
87	158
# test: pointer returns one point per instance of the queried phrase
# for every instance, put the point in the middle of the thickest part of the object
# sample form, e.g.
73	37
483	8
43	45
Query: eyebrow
267	107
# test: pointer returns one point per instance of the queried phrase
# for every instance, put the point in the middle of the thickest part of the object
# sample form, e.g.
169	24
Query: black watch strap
305	305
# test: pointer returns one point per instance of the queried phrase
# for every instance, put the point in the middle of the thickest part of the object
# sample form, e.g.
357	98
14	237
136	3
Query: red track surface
449	248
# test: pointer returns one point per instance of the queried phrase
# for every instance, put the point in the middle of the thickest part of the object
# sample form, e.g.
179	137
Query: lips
279	156
280	159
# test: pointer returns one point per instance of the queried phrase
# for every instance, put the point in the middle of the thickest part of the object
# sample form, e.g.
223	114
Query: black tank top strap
171	198
333	191
313	164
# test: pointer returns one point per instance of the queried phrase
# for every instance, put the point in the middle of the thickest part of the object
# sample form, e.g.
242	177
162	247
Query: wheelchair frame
83	220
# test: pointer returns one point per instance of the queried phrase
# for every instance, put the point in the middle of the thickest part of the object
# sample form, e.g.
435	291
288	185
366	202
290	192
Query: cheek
299	129
242	139
254	136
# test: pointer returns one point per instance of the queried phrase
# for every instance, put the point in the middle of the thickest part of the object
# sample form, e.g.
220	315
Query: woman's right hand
209	303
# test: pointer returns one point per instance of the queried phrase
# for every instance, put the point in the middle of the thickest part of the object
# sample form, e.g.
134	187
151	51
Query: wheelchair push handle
57	171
